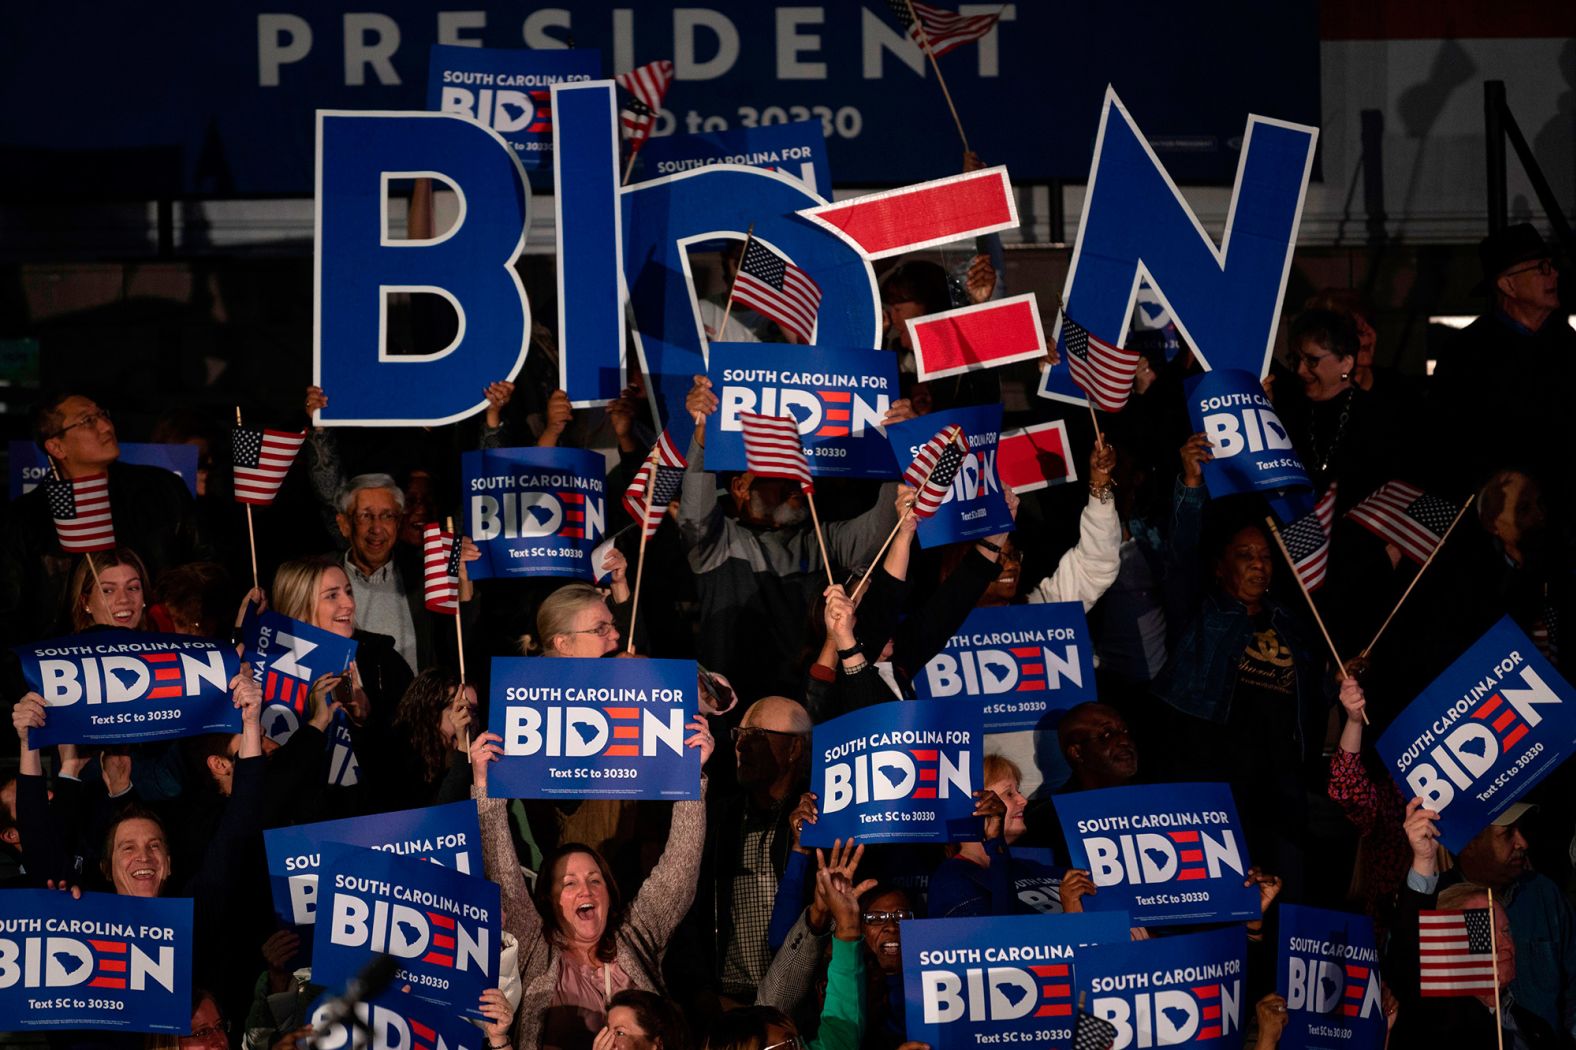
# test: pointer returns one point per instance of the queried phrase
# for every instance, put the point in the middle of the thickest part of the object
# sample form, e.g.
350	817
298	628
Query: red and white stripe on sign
1035	457
974	337
923	215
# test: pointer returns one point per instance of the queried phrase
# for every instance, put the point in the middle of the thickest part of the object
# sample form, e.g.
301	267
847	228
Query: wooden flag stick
459	634
251	533
924	45
1339	663
819	538
1099	438
1430	560
727	309
1493	948
628	168
640	561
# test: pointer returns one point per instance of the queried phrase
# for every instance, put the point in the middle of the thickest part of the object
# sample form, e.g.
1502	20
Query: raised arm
670	888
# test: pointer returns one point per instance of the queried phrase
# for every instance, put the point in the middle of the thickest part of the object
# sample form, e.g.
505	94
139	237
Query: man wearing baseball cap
1542	921
1512	372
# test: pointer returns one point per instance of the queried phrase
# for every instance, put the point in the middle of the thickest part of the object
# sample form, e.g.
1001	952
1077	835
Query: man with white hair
385	579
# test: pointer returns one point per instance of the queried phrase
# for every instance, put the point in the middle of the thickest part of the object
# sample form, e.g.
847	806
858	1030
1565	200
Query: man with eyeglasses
388	587
1515	365
152	511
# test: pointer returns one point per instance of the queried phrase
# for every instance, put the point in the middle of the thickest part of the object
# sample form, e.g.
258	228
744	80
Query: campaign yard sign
797	149
508	90
998	980
1016	662
1328	970
30	466
974	506
394	1020
583	728
1166	853
838	398
898	772
286	656
441	926
1252	450
534	511
448	836
127	686
104	962
1169	991
1483	734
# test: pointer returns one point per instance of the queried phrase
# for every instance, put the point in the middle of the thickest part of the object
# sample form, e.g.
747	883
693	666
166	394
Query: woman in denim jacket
1246	686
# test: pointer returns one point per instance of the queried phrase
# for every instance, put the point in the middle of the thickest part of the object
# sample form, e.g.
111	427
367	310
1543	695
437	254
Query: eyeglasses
1312	360
601	630
793	1042
91	419
738	733
1544	267
881	918
366	517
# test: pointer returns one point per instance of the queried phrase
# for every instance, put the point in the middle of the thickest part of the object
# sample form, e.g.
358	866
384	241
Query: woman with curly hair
432	728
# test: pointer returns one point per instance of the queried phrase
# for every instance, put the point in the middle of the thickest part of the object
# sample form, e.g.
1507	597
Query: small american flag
440	558
776	288
668	466
1456	953
1103	371
262	459
934	467
939	29
647	86
772	449
1093	1033
1308	541
1406	516
80	508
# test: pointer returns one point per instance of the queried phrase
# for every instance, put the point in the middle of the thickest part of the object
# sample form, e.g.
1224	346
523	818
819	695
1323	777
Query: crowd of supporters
690	924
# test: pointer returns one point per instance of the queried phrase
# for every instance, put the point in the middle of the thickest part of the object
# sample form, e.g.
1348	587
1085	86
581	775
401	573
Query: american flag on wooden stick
663	468
1456	953
776	288
262	459
440	558
942	30
647	86
1406	516
80	508
772	449
1308	541
934	466
1102	370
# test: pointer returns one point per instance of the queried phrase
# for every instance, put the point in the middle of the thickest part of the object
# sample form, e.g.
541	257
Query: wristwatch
852	650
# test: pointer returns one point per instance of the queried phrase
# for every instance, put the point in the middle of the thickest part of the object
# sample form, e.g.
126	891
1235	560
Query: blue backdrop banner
127	686
1017	662
534	511
582	728
105	962
1169	991
441	926
263	68
837	397
508	90
1483	734
998	980
898	772
1166	853
975	506
1328	970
